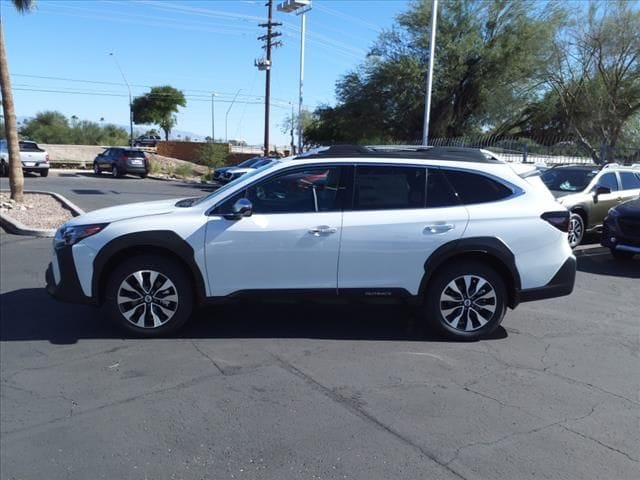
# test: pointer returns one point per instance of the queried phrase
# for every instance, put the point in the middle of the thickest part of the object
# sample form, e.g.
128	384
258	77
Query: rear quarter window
474	188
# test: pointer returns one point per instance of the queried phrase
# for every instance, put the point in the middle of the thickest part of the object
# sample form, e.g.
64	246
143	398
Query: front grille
630	227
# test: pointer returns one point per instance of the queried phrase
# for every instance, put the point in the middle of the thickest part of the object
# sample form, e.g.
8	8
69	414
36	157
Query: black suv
120	161
621	229
147	141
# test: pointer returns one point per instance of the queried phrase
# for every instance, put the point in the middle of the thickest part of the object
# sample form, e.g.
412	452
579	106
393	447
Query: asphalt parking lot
290	391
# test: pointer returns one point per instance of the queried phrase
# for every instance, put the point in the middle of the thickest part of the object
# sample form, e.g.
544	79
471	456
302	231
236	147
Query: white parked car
33	158
454	232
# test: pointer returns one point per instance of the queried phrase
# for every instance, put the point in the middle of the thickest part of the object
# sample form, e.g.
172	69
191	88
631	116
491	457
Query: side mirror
602	190
242	208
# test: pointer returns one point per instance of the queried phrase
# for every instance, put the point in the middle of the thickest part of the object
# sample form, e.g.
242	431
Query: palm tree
16	179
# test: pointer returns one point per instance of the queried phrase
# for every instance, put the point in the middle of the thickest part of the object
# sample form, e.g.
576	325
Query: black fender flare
139	241
493	248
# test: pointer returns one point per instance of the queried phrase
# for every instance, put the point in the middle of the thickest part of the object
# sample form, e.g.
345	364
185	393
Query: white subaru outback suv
454	232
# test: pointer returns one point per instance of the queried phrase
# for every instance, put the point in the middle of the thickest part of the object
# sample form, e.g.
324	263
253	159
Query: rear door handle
322	230
435	228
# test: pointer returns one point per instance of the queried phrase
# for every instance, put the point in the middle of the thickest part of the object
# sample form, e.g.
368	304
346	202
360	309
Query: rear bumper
68	288
560	285
35	168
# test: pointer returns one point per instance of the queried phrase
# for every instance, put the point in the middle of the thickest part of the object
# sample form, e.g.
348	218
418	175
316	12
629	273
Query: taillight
123	158
560	220
46	157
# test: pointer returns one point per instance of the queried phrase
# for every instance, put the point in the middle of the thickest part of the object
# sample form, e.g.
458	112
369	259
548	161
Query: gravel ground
37	211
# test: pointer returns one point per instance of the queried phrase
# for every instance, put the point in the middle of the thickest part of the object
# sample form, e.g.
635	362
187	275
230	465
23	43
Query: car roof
408	152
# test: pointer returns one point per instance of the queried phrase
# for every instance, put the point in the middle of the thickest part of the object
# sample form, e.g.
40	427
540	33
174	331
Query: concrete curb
17	228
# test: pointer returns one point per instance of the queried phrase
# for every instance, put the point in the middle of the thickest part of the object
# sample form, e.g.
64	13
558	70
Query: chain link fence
547	151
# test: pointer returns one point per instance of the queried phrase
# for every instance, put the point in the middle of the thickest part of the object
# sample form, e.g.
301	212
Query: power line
195	98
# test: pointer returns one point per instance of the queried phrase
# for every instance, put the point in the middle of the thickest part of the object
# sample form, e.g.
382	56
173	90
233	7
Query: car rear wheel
115	173
143	175
576	230
150	296
466	301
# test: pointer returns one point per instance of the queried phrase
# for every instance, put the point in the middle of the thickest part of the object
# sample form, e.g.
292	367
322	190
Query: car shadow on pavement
605	264
30	314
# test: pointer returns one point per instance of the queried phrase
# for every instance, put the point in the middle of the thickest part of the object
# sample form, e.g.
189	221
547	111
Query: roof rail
460	154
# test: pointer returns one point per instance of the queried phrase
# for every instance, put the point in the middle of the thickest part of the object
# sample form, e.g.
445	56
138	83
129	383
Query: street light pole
213	117
130	99
299	7
432	53
226	116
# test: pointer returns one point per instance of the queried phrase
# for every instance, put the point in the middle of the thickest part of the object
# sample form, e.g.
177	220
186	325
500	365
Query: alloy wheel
576	230
468	303
147	299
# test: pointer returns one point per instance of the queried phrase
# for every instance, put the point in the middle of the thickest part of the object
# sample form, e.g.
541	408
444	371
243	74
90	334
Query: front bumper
68	288
613	238
560	285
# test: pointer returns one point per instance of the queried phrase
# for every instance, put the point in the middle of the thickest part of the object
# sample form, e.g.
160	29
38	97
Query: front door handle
435	228
322	230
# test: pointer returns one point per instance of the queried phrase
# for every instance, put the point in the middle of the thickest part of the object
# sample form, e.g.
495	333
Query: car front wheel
96	168
44	173
576	230
466	301
149	296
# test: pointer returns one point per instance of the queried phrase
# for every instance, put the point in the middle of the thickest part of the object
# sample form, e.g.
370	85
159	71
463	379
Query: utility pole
265	64
432	54
293	148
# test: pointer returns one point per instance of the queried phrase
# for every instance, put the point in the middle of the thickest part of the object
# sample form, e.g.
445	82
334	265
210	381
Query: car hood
123	212
630	208
240	170
561	193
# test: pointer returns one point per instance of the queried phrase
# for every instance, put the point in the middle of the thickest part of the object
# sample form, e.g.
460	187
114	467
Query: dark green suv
589	191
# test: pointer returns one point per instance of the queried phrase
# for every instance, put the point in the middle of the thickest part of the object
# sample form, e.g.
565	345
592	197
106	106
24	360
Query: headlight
70	235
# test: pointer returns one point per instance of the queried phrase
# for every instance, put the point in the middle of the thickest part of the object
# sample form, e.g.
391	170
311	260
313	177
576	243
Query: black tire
115	173
151	309
143	175
44	173
4	170
621	254
456	309
96	169
576	229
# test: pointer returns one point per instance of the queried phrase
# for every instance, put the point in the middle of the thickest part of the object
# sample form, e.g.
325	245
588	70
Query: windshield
568	179
231	184
249	162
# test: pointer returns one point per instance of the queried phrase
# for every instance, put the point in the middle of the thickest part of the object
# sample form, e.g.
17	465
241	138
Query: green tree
159	107
54	127
16	178
489	56
47	127
594	73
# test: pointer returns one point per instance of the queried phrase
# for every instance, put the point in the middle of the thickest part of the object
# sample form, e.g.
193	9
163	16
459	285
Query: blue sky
198	46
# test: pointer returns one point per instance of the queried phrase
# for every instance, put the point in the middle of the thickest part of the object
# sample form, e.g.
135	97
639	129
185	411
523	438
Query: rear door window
474	188
439	191
389	187
630	180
